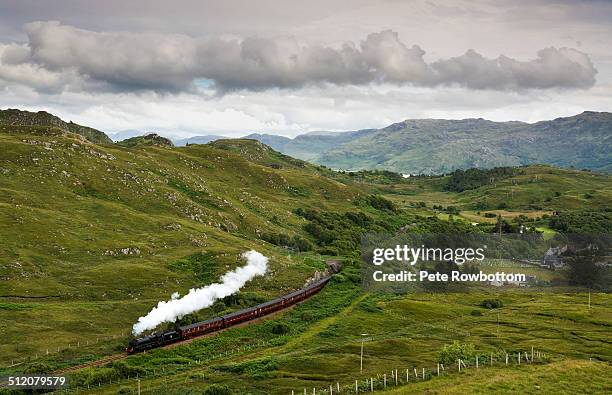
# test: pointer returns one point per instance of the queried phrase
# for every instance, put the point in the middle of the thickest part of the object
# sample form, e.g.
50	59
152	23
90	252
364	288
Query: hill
148	139
436	146
13	117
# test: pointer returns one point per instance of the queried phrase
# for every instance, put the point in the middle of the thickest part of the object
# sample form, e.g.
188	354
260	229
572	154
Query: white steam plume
197	299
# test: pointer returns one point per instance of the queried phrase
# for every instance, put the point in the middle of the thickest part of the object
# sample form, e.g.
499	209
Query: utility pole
361	357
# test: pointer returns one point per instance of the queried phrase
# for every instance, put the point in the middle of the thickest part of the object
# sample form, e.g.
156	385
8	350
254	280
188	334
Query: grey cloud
173	62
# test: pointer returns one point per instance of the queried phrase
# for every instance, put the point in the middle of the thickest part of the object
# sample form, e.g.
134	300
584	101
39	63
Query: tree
582	266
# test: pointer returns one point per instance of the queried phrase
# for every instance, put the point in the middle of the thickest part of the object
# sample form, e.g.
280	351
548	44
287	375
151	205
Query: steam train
215	324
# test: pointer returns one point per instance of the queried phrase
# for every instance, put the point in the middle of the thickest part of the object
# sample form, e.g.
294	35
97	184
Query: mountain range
435	146
415	146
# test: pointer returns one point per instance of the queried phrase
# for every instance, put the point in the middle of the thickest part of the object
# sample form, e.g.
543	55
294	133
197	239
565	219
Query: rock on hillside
43	118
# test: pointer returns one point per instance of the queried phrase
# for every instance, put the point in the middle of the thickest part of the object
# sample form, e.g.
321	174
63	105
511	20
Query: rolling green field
94	235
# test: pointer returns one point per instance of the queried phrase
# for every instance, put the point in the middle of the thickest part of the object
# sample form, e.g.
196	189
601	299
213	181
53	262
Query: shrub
280	329
491	303
476	313
452	352
217	389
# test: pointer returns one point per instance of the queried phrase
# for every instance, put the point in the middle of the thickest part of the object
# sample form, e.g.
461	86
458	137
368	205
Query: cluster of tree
583	221
294	242
449	209
339	233
462	180
376	201
375	176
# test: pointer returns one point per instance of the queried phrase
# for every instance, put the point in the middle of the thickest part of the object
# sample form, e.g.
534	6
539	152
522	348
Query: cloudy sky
232	67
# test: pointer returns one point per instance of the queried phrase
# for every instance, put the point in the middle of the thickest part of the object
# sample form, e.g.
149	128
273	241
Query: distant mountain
434	146
197	140
42	118
126	134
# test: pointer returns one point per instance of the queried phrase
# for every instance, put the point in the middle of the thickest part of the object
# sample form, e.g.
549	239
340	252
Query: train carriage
201	328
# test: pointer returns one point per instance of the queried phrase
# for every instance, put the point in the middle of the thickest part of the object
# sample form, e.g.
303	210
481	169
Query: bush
491	303
217	389
476	313
280	329
452	352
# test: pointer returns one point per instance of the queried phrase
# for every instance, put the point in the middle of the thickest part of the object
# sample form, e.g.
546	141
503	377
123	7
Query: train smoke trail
197	299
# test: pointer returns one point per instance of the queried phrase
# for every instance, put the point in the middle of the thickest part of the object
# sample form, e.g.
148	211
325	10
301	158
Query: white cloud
65	56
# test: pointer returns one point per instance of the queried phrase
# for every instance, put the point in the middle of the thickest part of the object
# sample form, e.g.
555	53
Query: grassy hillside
14	117
94	235
90	228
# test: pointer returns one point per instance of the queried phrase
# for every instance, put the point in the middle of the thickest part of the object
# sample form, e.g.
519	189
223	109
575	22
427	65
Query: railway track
98	362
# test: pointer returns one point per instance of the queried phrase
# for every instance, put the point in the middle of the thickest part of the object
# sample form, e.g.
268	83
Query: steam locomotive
215	324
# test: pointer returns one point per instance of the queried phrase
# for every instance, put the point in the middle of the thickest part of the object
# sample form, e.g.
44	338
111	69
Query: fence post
356	387
385	380
491	359
459	364
423	374
519	358
476	361
506	359
371	385
438	368
407	375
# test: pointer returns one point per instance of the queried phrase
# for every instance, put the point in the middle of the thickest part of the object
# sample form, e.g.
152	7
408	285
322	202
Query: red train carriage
201	328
